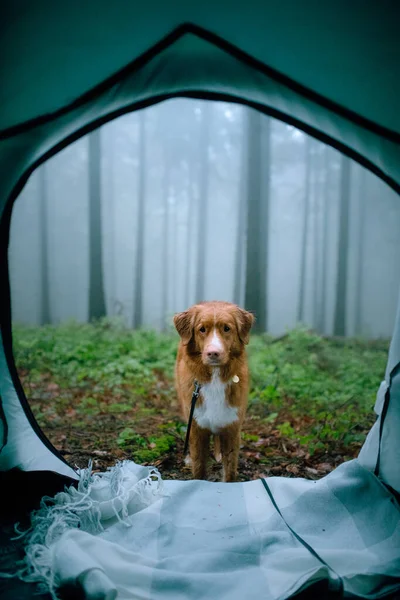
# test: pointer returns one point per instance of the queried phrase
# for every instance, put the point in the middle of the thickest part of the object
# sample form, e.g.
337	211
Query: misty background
192	200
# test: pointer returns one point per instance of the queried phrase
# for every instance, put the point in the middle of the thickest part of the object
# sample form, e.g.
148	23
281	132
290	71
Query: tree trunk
325	240
97	308
45	316
111	252
165	242
203	202
174	258
137	320
339	327
189	233
258	184
306	218
241	222
315	202
317	238
360	251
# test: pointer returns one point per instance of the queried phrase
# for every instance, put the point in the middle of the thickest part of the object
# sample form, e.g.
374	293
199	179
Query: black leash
195	395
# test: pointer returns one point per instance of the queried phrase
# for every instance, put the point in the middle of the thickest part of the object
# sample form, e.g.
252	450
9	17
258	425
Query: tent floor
24	492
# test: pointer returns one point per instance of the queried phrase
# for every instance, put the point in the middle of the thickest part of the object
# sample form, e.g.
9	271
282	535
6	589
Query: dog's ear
184	323
245	322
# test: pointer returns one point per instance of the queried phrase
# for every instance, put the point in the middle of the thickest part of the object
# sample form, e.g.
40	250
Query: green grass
107	355
331	384
316	392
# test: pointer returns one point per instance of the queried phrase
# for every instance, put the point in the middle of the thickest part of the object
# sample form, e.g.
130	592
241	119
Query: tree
241	222
258	189
138	277
191	198
203	200
317	237
358	305
165	236
109	162
97	307
45	316
339	327
325	240
304	239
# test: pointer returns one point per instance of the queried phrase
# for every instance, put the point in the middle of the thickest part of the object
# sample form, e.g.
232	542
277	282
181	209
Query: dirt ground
264	450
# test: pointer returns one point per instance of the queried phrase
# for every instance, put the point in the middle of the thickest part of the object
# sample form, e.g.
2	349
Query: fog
192	200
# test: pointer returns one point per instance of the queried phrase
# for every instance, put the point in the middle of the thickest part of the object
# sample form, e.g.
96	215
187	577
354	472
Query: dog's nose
213	353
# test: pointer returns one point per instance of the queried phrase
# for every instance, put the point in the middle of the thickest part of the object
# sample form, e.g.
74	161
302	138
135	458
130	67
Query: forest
191	200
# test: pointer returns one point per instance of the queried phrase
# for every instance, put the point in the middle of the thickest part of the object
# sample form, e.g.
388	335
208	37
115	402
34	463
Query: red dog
212	352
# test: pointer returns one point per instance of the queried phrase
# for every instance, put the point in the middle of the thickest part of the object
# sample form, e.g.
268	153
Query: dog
212	352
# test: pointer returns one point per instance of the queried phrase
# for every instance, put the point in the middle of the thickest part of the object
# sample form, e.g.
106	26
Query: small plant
249	437
128	438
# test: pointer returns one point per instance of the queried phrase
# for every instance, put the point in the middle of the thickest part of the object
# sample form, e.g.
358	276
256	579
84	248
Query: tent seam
229	48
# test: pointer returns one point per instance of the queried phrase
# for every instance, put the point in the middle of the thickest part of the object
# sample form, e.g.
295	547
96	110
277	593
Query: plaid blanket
269	540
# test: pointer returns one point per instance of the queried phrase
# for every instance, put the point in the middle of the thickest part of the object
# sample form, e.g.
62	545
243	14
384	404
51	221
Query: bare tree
174	248
258	186
97	307
109	149
241	222
203	201
325	240
362	188
339	327
165	238
138	277
191	199
45	316
316	201
304	239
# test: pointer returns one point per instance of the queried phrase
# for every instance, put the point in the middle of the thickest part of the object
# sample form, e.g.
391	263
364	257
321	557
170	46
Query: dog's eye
202	329
226	328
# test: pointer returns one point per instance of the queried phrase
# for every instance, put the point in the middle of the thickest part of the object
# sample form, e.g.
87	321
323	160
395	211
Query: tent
332	70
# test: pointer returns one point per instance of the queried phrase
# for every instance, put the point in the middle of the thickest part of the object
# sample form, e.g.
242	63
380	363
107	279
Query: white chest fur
214	413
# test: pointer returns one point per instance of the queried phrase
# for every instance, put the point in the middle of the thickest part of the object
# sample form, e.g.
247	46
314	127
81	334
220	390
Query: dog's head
215	331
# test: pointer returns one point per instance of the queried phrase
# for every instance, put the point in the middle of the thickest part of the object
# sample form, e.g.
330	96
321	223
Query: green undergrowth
313	390
108	355
317	390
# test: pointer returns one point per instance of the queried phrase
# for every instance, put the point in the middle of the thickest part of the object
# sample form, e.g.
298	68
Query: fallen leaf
312	470
292	469
326	467
262	442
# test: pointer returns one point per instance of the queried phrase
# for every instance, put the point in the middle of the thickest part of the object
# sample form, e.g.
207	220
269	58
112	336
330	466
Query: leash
195	395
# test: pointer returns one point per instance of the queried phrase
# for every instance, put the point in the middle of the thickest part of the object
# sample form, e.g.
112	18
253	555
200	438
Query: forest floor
105	393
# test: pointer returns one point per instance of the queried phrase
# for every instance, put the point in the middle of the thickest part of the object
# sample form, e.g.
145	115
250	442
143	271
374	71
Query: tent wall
381	452
346	52
24	448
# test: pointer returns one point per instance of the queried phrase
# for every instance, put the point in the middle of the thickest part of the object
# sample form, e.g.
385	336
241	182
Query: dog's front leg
230	444
199	450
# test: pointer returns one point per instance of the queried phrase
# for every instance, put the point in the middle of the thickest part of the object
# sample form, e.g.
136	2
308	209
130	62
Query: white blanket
125	535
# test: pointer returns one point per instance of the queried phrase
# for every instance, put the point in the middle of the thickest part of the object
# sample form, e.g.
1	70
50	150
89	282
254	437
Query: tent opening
193	200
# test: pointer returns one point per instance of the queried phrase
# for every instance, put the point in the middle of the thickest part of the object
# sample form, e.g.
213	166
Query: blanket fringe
119	492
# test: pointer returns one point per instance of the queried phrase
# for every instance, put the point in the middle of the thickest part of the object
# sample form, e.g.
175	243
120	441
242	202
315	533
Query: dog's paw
188	461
